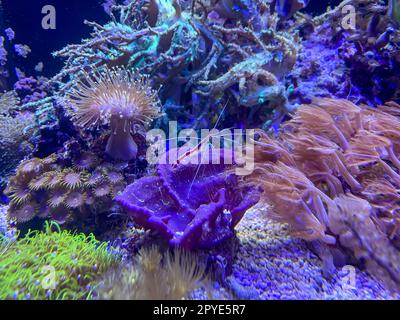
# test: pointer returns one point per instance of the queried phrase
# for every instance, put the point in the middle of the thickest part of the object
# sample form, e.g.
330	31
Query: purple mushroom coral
191	206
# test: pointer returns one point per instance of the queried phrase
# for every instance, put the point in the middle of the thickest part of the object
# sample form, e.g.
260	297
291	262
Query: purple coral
30	89
192	206
22	50
10	34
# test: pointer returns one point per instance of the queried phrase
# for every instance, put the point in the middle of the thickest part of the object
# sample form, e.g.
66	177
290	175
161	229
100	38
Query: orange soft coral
118	98
333	175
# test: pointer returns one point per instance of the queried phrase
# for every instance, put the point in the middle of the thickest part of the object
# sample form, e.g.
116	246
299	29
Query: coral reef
75	155
332	176
191	206
359	63
52	264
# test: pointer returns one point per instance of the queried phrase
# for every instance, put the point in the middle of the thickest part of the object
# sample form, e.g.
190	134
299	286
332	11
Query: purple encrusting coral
359	63
31	89
192	206
22	50
320	73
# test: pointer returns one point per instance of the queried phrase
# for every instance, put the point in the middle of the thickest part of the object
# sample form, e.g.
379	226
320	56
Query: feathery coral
118	98
333	176
170	276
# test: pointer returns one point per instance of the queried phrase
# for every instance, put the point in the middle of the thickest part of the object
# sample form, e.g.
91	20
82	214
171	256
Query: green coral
29	265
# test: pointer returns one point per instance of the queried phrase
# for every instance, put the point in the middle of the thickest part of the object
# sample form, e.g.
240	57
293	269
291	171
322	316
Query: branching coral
154	276
333	175
199	55
53	264
117	98
46	188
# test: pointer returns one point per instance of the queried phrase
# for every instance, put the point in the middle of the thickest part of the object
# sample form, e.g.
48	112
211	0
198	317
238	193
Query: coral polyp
117	98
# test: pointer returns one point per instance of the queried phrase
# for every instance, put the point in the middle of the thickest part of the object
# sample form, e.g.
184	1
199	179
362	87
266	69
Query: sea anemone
333	176
40	182
19	193
118	98
115	177
53	179
61	191
155	276
85	161
95	178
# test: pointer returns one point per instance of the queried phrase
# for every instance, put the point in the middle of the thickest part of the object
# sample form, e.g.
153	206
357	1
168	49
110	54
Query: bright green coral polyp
53	264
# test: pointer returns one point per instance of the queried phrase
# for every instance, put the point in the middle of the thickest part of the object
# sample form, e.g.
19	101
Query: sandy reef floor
272	265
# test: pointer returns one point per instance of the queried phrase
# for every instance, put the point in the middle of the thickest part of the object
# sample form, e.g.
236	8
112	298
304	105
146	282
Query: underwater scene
200	150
